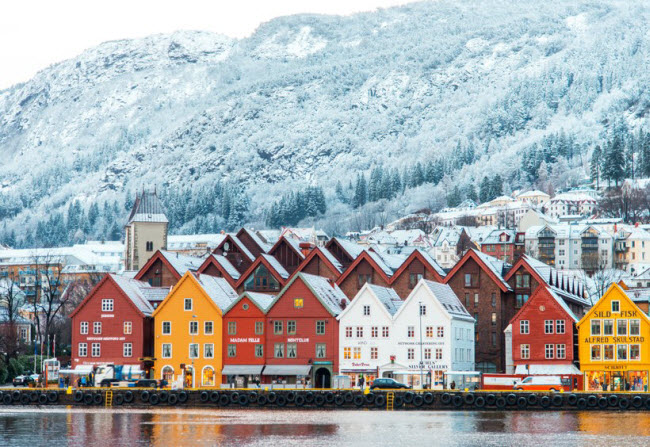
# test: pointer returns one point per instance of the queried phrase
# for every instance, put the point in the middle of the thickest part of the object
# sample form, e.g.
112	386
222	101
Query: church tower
146	230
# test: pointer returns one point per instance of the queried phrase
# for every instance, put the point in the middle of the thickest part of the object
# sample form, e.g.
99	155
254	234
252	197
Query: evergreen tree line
296	206
490	188
549	151
622	155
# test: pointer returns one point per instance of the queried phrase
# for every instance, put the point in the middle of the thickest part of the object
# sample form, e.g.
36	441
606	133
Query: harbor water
61	426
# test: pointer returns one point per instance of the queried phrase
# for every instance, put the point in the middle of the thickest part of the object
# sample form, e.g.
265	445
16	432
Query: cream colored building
145	232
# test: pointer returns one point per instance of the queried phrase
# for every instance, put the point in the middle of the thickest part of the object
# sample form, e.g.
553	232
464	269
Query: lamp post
421	356
193	372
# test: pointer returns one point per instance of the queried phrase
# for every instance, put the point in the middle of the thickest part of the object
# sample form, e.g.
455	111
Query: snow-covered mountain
308	99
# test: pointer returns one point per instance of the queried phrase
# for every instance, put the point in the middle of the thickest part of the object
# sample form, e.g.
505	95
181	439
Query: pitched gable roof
292	243
177	263
388	298
327	257
613	288
274	266
541	290
328	294
491	265
264	246
374	260
428	262
223	264
352	249
261	300
147	208
231	238
443	295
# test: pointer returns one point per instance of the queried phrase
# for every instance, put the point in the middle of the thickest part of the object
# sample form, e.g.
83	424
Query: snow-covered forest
344	122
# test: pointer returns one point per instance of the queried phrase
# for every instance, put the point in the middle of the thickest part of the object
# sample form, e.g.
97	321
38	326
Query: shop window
608	327
616	306
410	354
259	327
166	327
525	351
595	352
635	352
207	376
559	327
374	332
292	350
208	328
374	353
357	353
621	327
635	328
321	350
347	353
259	351
278	350
208	350
524	327
166	350
548	326
548	351
167	374
595	327
320	327
608	352
291	327
429	331
277	327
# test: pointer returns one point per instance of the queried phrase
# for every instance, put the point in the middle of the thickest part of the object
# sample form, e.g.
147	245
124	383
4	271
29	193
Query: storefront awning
286	370
79	369
241	370
547	370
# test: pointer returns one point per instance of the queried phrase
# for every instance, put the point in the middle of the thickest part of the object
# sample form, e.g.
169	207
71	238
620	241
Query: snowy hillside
307	100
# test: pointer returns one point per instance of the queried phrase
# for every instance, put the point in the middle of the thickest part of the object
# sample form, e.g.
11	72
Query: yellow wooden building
188	331
613	344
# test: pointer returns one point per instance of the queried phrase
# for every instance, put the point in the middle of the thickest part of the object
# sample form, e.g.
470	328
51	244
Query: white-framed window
635	328
128	328
635	352
410	353
208	350
83	350
208	328
321	350
278	350
187	305
608	327
97	327
366	311
423	309
374	353
107	305
524	327
232	350
438	353
359	331
596	352
621	327
560	351
95	350
410	331
83	327
166	350
595	327
259	351
559	327
525	351
549	351
127	350
166	327
384	331
232	327
348	332
320	327
548	326
621	352
356	353
194	350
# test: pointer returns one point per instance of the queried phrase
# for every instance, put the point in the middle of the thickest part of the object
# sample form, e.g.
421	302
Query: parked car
539	383
25	380
388	384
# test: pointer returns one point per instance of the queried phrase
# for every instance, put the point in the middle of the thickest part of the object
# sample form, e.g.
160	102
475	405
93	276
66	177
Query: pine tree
614	161
454	197
595	164
496	189
485	190
339	192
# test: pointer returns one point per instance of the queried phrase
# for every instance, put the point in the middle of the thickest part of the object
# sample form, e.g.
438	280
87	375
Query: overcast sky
37	33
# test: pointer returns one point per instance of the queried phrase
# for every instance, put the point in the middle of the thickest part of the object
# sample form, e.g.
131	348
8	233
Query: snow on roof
449	234
562	303
242	247
227	266
380	262
330	257
181	241
182	263
270	236
261	300
573	197
218	289
18	319
639	295
533	193
494	237
264	246
276	265
433	263
393	261
388	297
495	265
558	277
295	244
352	248
328	293
447	299
147	208
135	290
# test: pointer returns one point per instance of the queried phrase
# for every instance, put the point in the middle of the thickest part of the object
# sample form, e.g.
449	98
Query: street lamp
421	356
193	372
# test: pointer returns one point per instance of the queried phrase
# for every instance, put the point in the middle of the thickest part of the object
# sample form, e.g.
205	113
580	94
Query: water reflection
164	427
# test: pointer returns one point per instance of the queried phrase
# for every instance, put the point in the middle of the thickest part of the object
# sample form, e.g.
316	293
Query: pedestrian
362	381
453	385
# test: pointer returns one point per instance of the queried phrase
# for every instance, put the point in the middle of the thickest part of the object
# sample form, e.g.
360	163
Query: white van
539	383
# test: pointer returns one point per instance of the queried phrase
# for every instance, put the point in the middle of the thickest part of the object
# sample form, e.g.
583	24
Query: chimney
306	248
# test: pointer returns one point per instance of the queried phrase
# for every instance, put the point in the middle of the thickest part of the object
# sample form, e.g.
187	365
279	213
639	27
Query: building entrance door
323	378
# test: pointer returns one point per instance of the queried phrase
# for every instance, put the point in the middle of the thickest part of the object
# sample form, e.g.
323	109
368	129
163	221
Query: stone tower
146	230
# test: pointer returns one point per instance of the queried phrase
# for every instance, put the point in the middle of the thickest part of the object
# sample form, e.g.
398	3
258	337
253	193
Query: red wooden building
113	324
321	262
289	253
265	275
544	336
302	336
220	266
418	265
253	242
244	337
236	252
368	267
166	268
345	251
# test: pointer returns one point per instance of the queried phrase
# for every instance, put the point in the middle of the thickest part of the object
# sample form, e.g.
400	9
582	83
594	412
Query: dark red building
345	251
544	336
418	265
321	262
289	253
113	324
244	338
265	275
302	335
368	267
478	281
220	266
166	268
236	252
